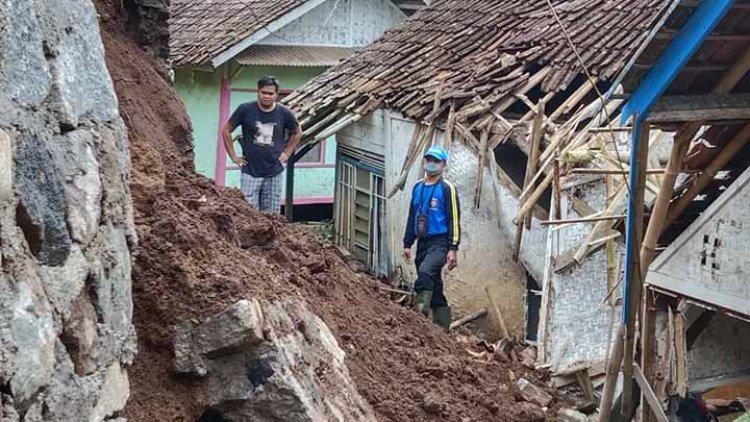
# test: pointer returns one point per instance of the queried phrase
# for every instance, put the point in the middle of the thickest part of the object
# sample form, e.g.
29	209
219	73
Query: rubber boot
442	316
423	302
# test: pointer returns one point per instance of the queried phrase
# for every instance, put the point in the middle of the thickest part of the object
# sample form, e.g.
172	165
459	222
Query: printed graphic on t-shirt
433	203
264	133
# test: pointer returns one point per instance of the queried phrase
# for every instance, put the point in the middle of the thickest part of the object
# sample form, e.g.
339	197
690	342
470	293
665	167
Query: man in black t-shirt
270	135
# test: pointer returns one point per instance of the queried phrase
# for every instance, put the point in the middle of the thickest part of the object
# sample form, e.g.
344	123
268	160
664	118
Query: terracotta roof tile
481	52
202	29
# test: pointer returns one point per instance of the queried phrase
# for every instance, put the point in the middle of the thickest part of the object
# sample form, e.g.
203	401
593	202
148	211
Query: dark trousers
432	253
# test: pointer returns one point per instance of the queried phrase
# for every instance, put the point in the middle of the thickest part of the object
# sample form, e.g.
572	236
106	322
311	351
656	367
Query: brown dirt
201	248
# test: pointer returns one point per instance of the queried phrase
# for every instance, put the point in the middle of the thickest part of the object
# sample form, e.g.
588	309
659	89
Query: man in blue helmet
434	222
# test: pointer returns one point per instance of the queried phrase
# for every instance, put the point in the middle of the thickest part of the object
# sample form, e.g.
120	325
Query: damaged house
535	102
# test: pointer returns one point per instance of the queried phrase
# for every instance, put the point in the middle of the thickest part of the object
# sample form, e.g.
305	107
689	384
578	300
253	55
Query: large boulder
271	362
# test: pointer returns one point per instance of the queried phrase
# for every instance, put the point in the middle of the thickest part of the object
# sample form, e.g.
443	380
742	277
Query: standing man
270	135
434	221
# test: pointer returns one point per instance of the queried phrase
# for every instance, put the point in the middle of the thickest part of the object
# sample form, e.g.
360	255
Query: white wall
342	23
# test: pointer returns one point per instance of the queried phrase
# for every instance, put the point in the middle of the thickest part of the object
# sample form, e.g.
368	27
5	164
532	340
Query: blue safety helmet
437	152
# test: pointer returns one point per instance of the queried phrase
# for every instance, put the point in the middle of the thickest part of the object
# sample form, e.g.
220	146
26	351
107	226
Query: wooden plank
584	380
649	394
705	108
681	363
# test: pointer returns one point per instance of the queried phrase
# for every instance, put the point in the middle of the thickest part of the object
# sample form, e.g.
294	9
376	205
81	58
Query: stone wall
66	225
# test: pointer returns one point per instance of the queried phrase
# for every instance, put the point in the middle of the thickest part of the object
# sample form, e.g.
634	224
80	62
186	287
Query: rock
532	393
6	167
241	325
530	412
64	283
432	406
571	415
114	394
70	397
528	357
34	338
75	156
81	86
80	335
24	71
41	212
109	284
297	374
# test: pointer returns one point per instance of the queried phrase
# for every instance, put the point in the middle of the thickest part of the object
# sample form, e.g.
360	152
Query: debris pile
202	249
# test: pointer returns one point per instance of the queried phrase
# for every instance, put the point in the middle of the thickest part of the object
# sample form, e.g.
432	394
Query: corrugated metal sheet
284	55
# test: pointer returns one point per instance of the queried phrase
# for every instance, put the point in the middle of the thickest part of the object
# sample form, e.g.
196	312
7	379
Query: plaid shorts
264	193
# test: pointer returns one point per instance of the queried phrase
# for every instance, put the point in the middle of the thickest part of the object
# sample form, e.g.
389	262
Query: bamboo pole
583	220
659	211
484	138
496	310
532	165
613	369
468	318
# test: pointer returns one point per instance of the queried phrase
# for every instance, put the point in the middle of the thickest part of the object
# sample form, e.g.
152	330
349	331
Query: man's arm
295	136
226	135
410	234
453	215
291	148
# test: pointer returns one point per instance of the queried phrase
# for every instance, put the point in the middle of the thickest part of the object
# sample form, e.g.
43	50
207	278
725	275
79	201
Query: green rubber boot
423	302
442	316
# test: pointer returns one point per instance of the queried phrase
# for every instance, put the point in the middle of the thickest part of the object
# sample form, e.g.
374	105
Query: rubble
532	393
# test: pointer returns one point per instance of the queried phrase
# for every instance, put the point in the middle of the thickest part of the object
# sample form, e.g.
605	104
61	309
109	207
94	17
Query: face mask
432	168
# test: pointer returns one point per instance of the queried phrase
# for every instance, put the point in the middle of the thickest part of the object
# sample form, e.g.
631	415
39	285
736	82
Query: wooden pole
634	289
468	318
532	165
700	183
613	370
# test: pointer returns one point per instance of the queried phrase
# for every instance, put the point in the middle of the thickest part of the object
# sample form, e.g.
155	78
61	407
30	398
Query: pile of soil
201	248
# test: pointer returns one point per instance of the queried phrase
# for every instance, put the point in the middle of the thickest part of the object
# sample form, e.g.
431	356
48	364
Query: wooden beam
697	327
705	108
700	183
636	279
649	394
532	165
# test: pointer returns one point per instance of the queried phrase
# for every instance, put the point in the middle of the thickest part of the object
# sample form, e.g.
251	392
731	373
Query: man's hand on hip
283	158
240	161
407	255
452	260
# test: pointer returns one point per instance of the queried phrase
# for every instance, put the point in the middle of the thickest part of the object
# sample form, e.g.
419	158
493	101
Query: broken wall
66	221
577	318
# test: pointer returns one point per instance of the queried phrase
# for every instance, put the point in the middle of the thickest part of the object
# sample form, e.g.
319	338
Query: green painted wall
200	91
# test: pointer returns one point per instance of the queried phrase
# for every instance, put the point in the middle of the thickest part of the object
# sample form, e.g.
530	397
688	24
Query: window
360	215
314	156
